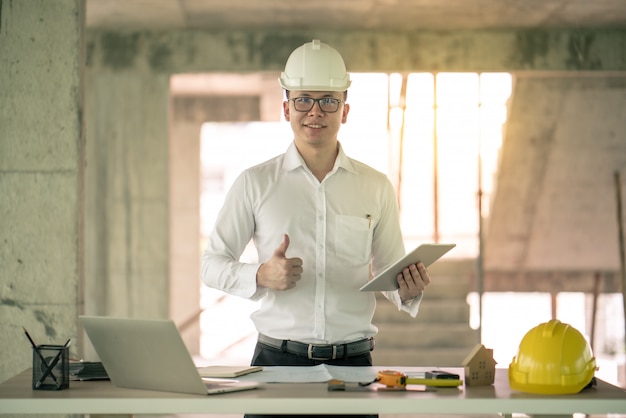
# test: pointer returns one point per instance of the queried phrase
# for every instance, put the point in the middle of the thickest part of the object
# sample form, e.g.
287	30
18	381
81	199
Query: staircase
440	335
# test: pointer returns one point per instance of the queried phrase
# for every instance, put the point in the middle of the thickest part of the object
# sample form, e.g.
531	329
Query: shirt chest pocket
353	239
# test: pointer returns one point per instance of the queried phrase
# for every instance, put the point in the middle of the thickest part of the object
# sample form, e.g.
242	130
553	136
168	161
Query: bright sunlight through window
452	127
438	138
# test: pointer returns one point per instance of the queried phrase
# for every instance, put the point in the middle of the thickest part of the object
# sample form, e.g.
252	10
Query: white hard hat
315	66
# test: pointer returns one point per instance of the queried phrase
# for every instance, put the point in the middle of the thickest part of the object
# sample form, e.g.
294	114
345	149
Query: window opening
428	132
438	138
421	129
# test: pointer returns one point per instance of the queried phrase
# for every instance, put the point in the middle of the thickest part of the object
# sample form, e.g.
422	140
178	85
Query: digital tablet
426	253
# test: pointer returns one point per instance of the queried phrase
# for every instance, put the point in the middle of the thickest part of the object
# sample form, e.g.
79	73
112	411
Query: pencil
39	353
29	339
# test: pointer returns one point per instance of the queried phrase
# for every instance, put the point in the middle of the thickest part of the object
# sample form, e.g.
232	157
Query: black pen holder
51	367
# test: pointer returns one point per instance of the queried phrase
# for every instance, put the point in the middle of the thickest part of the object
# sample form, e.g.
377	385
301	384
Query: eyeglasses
326	104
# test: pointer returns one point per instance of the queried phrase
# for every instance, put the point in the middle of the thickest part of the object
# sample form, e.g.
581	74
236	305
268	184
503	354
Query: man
319	220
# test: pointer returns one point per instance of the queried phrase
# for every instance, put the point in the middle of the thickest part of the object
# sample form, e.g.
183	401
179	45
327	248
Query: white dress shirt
338	227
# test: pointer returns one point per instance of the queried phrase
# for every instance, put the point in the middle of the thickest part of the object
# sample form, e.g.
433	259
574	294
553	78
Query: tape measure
396	380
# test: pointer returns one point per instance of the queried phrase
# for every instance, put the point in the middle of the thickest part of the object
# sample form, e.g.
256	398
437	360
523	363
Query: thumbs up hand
280	272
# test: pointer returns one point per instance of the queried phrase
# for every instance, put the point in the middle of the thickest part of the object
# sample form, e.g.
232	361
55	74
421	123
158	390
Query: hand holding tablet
426	253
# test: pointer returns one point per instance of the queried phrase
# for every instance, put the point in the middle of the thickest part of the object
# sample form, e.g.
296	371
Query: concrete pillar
185	248
127	234
41	175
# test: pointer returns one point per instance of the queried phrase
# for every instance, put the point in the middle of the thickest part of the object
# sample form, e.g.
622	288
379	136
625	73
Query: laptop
151	355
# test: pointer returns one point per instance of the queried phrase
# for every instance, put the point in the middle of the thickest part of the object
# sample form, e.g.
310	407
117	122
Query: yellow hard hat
315	66
553	358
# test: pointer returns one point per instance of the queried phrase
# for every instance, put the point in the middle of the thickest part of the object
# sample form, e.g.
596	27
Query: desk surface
101	397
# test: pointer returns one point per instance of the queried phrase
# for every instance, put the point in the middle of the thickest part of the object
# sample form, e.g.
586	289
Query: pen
369	219
39	353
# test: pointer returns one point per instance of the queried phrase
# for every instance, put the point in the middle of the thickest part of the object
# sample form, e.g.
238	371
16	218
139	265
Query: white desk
101	397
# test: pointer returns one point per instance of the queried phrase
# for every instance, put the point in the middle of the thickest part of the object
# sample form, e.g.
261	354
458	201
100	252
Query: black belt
320	351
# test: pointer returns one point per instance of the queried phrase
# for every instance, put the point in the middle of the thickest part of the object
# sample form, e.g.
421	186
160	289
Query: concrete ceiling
355	14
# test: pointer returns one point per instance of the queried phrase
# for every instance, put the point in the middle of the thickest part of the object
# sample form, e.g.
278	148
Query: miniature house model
480	367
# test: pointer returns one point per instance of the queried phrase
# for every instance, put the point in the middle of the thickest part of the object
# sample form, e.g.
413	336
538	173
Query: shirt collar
293	160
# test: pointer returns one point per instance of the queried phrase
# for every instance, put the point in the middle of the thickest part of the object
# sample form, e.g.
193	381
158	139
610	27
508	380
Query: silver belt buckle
309	352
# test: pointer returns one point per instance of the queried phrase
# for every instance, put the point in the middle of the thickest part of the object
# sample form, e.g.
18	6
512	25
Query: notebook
426	253
228	371
150	354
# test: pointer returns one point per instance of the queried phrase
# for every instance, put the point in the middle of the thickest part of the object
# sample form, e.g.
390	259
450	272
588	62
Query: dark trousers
265	355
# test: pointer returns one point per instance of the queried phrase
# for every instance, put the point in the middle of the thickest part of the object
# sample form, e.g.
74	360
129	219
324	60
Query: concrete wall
127	201
207	51
127	194
567	132
554	225
41	175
